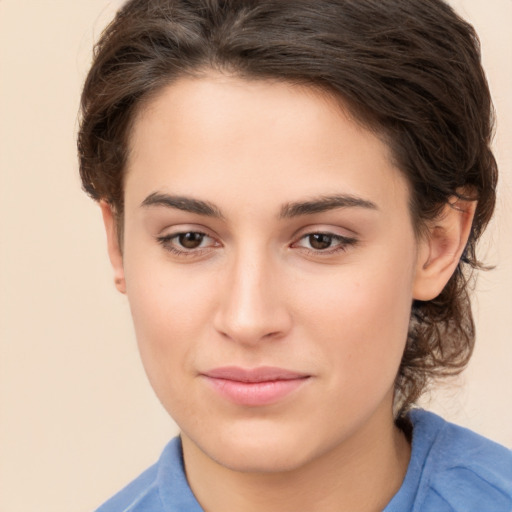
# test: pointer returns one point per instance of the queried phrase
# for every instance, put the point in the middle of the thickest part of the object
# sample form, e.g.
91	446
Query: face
269	261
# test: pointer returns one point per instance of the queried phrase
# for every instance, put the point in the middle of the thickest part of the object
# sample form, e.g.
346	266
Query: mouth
254	387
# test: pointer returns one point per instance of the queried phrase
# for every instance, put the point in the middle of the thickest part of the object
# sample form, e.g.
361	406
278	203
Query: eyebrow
289	210
325	203
186	204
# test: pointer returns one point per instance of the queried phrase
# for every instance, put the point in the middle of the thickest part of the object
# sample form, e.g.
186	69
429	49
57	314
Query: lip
255	386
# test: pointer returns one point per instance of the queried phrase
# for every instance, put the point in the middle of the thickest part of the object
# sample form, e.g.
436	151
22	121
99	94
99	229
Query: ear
114	251
441	248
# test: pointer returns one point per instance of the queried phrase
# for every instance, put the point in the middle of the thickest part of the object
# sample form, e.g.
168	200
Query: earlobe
442	247
114	251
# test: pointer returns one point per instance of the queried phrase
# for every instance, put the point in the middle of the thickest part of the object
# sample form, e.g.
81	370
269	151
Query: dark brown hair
409	70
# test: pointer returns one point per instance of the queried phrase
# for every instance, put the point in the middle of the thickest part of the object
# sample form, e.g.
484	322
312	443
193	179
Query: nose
253	306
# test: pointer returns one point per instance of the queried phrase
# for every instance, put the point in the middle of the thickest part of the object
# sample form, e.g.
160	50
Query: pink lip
254	387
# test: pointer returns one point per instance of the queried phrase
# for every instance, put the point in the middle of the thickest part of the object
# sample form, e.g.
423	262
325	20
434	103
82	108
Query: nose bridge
253	305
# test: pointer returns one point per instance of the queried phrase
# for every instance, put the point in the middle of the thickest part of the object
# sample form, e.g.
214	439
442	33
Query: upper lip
253	375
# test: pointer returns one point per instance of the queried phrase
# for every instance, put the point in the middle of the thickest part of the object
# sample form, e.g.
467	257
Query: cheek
170	311
165	298
363	318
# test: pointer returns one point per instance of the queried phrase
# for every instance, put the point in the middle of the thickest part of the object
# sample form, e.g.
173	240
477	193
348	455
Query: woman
292	194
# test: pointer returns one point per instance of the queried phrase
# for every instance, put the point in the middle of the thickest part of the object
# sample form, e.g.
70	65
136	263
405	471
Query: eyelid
341	242
328	228
344	242
325	229
167	241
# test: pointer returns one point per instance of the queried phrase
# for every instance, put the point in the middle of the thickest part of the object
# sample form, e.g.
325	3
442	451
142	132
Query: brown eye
190	240
320	241
324	244
188	243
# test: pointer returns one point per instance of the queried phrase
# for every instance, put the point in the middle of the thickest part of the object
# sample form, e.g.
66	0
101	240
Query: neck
361	475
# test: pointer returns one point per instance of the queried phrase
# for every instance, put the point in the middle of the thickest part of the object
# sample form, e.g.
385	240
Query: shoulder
161	488
141	494
463	471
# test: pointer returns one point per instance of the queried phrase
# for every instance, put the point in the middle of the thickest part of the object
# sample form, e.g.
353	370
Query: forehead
220	134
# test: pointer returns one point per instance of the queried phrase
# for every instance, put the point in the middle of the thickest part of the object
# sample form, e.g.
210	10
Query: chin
262	459
267	448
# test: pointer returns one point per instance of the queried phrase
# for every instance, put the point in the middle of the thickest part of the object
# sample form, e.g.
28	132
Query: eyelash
167	240
343	243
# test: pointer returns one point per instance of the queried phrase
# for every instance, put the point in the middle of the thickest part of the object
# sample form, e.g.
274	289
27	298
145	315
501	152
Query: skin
258	291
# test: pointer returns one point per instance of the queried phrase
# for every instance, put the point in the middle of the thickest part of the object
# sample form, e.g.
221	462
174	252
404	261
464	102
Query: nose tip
252	307
249	333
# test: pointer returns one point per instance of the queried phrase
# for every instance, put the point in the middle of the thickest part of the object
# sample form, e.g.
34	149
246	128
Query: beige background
77	417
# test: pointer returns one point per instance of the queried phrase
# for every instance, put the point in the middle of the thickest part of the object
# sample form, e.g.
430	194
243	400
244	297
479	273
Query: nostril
254	329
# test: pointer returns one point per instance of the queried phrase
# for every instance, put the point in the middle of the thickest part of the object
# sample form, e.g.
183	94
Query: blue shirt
451	470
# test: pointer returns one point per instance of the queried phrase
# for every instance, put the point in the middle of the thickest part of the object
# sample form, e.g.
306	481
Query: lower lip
255	393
